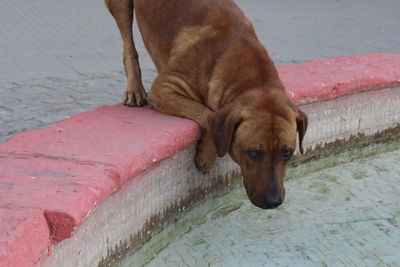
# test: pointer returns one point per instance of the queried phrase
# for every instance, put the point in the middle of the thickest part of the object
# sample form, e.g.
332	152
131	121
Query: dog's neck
253	71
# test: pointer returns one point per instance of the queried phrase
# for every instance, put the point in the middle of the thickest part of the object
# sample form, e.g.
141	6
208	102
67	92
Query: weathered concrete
126	219
365	113
145	202
59	58
326	79
79	162
347	214
77	166
30	235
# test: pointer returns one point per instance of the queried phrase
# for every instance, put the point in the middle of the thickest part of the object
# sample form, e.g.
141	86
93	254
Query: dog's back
209	42
166	23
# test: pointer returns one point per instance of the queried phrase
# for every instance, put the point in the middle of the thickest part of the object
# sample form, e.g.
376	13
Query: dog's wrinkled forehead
267	130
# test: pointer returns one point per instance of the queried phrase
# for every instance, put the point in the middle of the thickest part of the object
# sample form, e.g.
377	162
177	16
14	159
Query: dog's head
259	132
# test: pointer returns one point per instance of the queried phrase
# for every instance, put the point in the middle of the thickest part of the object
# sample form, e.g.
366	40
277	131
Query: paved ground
58	58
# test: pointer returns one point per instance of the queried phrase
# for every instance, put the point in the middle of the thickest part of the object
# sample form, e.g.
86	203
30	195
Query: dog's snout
272	201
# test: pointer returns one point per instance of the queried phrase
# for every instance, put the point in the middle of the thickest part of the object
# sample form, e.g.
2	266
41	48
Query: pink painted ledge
333	77
51	179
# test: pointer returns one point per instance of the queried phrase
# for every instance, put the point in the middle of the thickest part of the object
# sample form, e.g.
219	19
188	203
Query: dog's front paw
205	155
136	98
204	163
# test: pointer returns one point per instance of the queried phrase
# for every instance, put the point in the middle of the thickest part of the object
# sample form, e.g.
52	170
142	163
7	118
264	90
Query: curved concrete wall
87	190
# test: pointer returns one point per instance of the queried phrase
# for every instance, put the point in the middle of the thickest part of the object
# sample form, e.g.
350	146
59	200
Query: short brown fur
213	70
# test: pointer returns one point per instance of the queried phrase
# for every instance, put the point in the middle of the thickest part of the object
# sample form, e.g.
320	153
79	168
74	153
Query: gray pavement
58	58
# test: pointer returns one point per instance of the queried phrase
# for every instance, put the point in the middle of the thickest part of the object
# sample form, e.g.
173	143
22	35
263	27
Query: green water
339	211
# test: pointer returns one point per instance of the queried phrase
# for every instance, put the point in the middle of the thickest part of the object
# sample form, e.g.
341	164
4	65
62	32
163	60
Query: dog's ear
302	123
223	124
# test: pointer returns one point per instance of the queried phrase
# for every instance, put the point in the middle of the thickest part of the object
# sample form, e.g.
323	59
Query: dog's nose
272	201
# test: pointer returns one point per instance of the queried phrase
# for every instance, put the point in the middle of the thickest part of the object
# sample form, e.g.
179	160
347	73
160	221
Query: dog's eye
254	155
287	154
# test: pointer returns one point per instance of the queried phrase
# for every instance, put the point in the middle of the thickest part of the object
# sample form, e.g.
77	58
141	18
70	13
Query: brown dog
213	70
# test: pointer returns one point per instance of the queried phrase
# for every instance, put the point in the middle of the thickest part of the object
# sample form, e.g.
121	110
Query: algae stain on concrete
359	174
333	216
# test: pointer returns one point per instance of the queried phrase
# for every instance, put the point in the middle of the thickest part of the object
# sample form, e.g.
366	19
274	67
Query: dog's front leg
170	94
206	153
122	11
